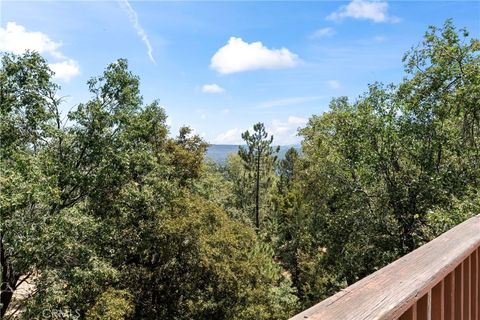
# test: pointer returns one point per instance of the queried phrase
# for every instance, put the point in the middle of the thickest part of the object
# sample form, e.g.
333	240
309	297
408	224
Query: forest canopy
109	215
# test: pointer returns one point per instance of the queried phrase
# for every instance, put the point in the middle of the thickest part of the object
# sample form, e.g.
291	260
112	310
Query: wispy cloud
238	55
374	10
288	101
334	84
133	16
322	33
212	88
372	40
379	39
17	39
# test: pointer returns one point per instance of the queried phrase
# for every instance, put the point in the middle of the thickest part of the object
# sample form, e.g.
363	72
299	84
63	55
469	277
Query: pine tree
259	157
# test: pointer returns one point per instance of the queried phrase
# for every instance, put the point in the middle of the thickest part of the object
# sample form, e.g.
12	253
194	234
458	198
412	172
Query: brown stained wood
478	284
389	292
437	302
466	288
473	285
458	293
410	314
448	296
423	308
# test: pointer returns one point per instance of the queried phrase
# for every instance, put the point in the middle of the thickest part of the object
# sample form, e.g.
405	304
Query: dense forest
108	215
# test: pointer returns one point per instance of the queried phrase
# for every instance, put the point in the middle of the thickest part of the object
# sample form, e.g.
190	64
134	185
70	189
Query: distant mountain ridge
218	153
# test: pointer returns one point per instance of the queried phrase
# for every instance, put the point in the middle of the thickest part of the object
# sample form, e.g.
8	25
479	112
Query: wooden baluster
423	307
478	284
458	293
466	288
410	314
473	285
449	296
438	310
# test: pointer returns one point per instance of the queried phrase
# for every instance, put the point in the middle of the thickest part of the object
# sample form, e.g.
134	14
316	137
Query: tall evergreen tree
259	157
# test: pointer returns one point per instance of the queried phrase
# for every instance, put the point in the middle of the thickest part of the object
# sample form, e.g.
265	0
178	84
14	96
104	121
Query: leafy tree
259	158
107	216
297	243
29	122
287	170
242	195
356	234
287	205
384	163
215	177
112	305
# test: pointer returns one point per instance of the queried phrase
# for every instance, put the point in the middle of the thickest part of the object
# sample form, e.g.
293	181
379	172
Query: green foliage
391	164
28	121
274	302
215	178
441	219
112	305
111	218
259	159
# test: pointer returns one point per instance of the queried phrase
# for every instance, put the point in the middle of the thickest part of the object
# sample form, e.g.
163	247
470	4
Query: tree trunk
257	194
8	281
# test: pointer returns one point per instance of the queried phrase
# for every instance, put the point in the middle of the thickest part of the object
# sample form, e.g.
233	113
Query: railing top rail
389	292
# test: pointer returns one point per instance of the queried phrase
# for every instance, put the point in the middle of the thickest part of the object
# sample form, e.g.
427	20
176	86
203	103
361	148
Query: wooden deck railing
438	281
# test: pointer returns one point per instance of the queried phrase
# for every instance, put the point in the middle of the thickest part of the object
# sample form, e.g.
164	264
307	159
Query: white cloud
288	101
133	16
195	132
322	33
212	88
232	136
375	10
17	39
238	55
285	132
65	70
297	120
226	111
334	84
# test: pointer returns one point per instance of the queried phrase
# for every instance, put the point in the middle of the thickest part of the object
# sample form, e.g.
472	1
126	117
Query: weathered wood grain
392	290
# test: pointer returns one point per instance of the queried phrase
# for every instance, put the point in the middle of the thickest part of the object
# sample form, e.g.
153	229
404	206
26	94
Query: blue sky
220	66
